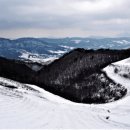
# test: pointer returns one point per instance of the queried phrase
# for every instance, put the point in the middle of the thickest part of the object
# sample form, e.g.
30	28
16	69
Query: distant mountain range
45	50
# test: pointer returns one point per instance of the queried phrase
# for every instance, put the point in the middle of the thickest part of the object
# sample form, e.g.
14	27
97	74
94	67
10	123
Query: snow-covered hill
28	106
120	72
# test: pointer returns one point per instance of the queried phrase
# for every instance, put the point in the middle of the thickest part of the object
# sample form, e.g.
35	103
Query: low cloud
64	17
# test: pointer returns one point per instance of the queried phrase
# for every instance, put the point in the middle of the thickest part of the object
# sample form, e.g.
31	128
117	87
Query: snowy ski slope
28	106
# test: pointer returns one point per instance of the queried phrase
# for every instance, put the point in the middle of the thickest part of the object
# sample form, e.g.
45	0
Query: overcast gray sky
64	18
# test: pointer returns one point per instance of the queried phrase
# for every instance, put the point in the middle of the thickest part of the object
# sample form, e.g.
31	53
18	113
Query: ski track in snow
37	108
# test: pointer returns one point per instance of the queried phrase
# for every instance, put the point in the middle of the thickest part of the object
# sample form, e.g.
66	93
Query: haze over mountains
47	49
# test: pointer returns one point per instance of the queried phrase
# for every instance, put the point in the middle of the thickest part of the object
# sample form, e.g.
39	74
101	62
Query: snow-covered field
28	106
37	58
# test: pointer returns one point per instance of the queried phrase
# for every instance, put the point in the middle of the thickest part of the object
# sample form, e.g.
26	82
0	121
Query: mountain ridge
76	76
41	49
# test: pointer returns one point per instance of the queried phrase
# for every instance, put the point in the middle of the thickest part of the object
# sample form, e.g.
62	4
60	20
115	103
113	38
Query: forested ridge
76	76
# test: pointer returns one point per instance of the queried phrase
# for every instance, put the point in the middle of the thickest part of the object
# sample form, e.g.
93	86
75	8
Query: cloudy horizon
64	18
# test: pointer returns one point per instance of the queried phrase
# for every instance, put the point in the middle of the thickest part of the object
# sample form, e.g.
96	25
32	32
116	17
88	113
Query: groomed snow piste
28	106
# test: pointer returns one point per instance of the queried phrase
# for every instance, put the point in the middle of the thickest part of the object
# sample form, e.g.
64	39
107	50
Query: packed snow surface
28	106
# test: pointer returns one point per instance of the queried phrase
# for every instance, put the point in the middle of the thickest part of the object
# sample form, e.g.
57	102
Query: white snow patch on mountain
116	70
37	58
123	42
67	47
57	52
76	41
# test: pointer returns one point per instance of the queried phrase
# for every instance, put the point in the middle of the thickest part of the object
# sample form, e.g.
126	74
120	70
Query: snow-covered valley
28	106
45	50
